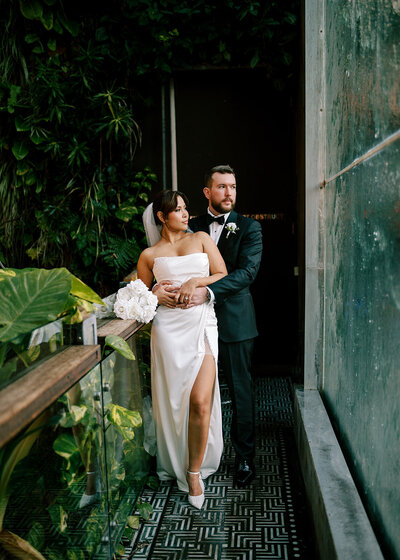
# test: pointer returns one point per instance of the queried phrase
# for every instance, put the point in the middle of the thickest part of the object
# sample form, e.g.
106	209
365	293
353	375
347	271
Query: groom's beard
221	209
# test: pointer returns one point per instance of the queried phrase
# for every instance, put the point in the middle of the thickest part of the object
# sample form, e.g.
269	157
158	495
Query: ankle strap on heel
190	472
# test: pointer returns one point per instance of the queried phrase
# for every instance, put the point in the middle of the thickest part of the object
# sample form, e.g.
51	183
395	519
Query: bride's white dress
178	341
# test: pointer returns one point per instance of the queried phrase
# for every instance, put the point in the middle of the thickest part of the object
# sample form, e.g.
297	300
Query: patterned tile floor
266	520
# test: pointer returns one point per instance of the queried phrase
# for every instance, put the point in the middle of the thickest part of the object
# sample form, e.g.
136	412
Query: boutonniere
231	227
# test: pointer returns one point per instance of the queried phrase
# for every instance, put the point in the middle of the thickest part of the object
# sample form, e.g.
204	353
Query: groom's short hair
217	169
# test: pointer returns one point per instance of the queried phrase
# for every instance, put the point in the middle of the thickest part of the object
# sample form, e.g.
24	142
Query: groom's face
221	193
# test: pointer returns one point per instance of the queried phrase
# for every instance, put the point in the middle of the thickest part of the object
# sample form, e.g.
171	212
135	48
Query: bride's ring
186	298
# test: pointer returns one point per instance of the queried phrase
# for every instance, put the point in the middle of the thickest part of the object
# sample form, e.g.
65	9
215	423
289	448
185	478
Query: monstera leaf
31	299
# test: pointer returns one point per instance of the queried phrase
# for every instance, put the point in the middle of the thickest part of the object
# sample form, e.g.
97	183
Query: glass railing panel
54	505
20	355
125	386
71	479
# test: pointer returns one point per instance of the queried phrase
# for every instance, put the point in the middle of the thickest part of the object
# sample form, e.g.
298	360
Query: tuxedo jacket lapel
225	240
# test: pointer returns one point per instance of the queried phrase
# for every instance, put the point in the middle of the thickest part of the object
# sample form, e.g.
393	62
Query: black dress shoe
245	472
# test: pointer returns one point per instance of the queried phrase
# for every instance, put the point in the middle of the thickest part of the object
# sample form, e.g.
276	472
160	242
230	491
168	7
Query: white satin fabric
177	351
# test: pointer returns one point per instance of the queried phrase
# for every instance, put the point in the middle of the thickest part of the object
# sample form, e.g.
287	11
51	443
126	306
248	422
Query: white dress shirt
215	233
215	227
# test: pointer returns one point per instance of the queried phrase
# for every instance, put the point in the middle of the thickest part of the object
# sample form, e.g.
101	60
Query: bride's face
178	218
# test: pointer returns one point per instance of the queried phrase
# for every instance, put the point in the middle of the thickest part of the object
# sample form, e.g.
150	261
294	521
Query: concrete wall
352	341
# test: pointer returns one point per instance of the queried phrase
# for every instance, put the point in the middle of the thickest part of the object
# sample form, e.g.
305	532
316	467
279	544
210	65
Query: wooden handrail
124	329
24	399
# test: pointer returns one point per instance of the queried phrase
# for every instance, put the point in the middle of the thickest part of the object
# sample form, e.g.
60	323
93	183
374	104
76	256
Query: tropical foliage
69	193
73	77
31	302
30	298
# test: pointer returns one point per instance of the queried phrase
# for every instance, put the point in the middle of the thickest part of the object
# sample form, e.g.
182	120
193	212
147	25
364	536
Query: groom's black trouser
235	360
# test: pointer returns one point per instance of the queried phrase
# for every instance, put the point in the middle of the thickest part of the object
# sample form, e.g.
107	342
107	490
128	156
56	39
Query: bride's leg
199	420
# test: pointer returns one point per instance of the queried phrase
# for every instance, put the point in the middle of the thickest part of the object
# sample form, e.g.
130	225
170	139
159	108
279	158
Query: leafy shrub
71	77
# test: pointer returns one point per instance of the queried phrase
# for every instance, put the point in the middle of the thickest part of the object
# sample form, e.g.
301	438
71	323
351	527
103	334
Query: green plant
68	138
74	78
79	451
120	345
32	298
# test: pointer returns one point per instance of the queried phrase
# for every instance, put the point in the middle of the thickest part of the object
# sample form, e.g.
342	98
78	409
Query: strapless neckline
180	268
179	256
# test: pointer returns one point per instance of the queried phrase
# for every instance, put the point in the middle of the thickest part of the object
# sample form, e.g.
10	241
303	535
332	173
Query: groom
239	240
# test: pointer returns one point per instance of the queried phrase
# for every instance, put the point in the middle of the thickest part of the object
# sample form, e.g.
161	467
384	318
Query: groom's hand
198	297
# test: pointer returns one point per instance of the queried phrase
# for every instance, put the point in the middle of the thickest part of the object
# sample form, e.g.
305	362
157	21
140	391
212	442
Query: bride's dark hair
166	202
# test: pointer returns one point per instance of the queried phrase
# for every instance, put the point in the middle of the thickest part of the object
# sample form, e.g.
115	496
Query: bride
184	348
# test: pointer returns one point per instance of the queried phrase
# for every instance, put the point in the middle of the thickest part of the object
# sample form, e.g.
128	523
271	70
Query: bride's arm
145	274
145	269
217	263
217	269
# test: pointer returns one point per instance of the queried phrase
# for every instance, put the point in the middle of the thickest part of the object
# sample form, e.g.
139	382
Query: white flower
231	227
135	301
148	312
121	309
138	287
125	293
106	310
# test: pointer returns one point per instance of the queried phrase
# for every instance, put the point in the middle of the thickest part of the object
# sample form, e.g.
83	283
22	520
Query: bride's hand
186	291
166	294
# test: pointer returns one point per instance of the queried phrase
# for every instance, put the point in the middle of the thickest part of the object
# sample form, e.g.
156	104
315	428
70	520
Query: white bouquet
135	301
107	309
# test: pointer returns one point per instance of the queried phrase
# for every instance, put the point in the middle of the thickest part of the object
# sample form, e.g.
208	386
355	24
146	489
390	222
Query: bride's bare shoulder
205	240
147	254
199	240
201	235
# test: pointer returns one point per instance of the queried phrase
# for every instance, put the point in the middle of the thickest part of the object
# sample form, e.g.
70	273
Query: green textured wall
361	240
362	69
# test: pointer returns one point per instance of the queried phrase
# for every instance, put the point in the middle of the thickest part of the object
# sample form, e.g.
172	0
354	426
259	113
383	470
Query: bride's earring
197	501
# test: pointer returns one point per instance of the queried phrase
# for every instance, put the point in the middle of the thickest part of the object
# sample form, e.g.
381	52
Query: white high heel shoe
197	501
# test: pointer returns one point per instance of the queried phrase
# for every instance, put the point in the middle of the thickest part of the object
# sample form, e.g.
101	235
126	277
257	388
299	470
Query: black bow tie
212	219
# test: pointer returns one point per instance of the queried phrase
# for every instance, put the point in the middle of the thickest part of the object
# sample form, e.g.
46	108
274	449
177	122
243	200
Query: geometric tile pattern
266	520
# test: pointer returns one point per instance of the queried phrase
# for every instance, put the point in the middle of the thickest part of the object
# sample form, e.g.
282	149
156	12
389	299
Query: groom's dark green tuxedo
241	250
